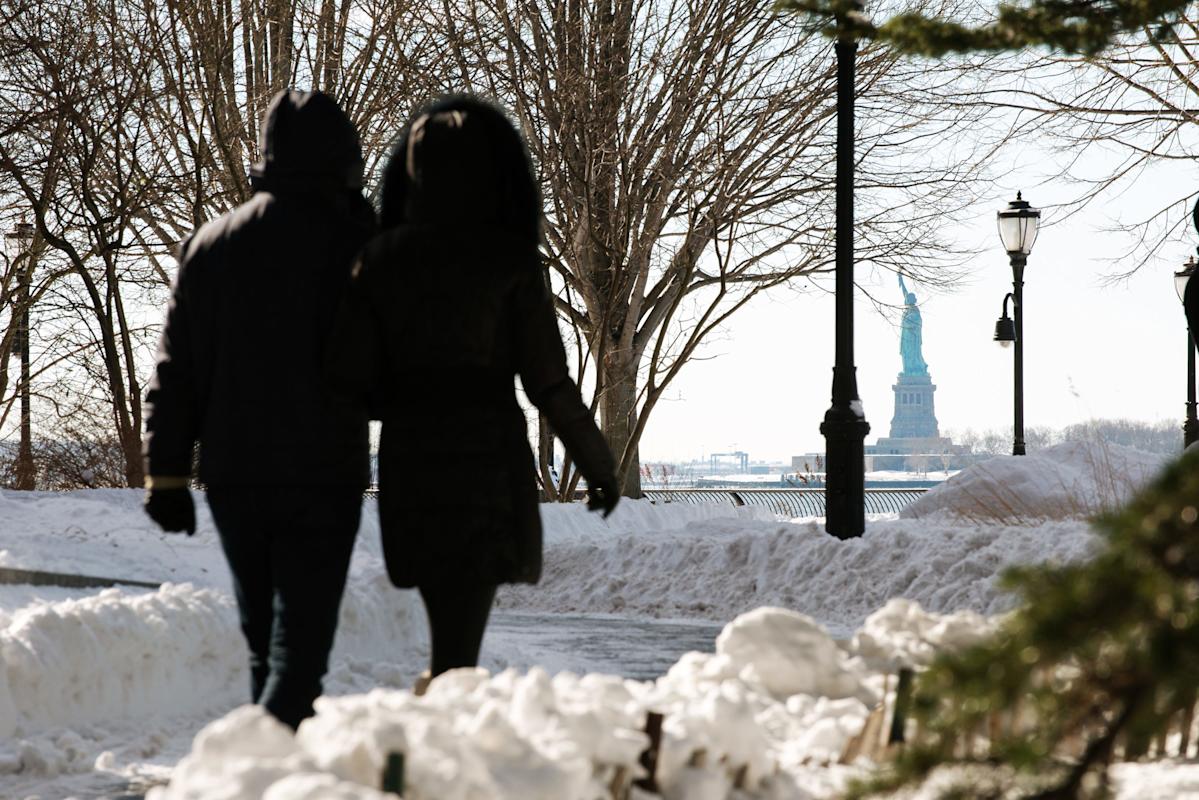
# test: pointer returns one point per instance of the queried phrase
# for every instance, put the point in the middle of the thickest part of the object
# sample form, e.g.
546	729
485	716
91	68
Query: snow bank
105	532
719	568
712	562
690	561
172	651
116	654
1070	480
566	523
747	721
71	657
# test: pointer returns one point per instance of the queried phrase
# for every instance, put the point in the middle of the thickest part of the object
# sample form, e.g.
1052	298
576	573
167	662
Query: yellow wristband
167	481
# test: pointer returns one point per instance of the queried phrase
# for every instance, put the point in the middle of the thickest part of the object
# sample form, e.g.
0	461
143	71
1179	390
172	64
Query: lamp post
1005	327
1018	231
22	234
845	426
1190	428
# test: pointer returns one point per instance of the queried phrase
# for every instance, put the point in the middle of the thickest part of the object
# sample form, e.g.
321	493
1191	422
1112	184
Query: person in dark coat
448	304
240	371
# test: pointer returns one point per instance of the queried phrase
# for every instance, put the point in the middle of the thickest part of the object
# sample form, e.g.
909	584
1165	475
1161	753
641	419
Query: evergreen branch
1074	26
1099	653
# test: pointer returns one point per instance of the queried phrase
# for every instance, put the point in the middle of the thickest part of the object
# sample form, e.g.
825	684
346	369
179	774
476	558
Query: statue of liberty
911	337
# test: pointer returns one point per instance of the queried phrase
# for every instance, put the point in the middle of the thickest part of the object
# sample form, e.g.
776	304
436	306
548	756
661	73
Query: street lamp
1018	231
1005	328
845	426
22	234
1190	428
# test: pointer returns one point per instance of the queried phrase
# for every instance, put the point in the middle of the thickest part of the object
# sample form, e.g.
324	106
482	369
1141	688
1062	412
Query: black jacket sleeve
541	363
172	402
353	357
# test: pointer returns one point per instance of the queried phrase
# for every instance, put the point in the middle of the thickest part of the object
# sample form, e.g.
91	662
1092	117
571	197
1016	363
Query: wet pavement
641	649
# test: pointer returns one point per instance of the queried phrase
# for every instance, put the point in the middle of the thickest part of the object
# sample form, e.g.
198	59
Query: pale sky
1091	350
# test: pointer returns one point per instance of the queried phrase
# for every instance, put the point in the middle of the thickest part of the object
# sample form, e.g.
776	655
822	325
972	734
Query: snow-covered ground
1066	481
719	567
103	690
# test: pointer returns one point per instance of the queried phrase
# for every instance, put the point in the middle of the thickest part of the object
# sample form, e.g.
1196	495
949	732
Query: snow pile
1156	780
712	562
786	652
117	654
718	568
902	634
175	650
745	722
1069	480
106	533
248	754
565	523
378	622
72	659
672	560
777	692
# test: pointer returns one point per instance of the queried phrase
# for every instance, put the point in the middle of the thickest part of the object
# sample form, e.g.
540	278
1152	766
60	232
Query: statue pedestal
915	413
915	443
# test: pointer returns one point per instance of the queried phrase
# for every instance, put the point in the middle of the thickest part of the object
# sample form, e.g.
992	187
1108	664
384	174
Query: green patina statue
911	336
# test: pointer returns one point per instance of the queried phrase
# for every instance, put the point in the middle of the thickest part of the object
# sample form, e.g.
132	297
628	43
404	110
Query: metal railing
792	502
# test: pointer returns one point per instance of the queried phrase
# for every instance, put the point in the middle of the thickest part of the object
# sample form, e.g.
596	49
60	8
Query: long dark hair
460	161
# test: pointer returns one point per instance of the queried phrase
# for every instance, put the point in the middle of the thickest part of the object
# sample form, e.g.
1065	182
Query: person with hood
241	372
448	304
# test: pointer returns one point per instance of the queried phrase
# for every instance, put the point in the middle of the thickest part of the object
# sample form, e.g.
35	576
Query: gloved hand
172	509
603	494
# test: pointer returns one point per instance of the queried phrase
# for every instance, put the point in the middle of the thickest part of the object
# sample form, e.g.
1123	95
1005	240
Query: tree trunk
545	458
618	417
135	473
279	21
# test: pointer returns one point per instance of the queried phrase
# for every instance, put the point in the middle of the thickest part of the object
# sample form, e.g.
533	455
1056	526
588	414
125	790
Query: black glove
603	494
172	509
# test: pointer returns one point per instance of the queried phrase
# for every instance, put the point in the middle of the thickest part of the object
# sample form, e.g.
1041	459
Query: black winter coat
240	365
439	322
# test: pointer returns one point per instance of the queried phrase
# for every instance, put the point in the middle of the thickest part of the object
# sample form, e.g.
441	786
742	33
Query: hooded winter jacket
240	365
447	307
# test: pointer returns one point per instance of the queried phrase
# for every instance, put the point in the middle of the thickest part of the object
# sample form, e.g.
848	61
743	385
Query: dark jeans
457	620
288	549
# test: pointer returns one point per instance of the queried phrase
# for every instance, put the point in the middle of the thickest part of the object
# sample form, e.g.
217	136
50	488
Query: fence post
903	698
649	756
393	773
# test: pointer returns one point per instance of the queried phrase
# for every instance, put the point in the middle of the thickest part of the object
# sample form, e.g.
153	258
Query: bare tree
128	124
77	157
220	63
1132	108
686	153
